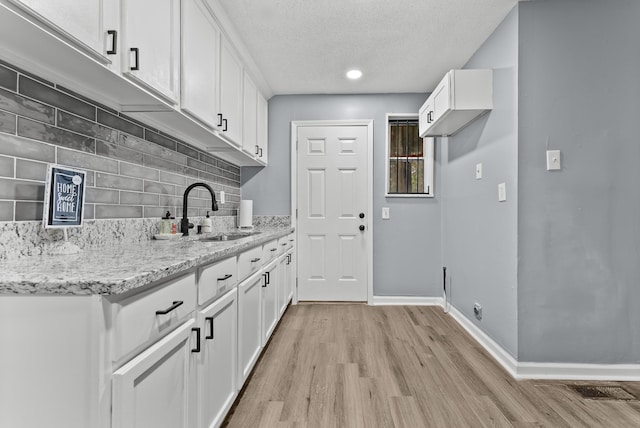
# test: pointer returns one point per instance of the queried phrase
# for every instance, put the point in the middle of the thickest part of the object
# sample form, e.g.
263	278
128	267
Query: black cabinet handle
260	152
284	244
136	54
224	124
361	215
361	227
219	119
273	249
264	276
257	149
268	278
210	321
224	278
197	330
114	42
175	304
257	259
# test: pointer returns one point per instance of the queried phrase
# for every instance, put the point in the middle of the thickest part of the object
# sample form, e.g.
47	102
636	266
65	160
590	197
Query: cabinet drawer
217	278
283	245
147	316
249	262
270	251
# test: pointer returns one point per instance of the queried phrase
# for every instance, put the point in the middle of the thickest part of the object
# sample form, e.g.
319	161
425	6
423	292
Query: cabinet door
152	390
291	274
230	93
83	21
217	363
263	128
249	325
442	97
249	116
200	41
151	45
270	311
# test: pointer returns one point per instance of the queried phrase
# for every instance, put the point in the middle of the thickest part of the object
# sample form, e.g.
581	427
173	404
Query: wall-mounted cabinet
460	97
151	45
130	55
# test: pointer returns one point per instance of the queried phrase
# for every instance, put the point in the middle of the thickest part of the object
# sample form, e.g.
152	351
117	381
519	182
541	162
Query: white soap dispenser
207	226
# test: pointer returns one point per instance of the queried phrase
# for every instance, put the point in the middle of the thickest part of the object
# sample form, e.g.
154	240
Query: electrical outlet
478	171
385	213
477	310
502	192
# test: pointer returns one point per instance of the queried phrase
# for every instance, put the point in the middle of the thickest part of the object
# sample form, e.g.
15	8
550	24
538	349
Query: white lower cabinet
283	284
152	390
217	363
270	285
249	324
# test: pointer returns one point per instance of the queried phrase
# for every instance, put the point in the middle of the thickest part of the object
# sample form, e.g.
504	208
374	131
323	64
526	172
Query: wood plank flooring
349	365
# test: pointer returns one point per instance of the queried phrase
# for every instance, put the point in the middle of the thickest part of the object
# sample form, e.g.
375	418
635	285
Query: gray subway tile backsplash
85	127
7	122
8	78
50	134
14	103
116	122
53	97
7	166
6	210
31	170
132	169
28	211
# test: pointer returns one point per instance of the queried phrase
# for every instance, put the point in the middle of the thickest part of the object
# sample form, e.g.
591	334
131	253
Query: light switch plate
553	160
478	171
502	192
385	213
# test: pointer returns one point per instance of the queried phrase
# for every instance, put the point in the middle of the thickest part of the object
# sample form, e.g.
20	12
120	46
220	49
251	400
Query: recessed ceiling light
354	74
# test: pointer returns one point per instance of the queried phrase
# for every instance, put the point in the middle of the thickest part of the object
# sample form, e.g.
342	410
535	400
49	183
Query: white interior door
333	218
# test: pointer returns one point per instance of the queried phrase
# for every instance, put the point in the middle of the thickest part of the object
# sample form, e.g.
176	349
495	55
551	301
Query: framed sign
63	197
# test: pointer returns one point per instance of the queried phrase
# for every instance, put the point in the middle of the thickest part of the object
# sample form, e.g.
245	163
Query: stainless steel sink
229	236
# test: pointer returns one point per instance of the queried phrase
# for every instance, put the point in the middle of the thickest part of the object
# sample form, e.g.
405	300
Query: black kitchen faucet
184	223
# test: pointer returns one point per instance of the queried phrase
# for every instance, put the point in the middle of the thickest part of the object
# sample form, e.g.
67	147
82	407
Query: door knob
361	215
361	227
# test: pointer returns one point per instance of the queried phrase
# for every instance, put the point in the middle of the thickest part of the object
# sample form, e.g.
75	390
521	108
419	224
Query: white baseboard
524	370
406	301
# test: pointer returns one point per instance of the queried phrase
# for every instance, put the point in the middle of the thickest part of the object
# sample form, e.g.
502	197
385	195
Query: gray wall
579	227
406	247
479	234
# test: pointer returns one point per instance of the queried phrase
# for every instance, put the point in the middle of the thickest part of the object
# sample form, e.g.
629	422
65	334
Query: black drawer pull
224	278
175	304
114	42
219	119
136	53
264	276
210	321
284	244
273	249
224	125
197	330
257	259
257	148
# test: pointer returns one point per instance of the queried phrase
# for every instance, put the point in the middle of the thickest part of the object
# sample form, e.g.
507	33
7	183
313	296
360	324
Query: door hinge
296	213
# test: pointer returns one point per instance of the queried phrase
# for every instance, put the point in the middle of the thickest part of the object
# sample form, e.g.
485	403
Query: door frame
294	190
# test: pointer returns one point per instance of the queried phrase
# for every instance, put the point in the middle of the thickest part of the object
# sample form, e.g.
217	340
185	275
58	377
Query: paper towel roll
246	213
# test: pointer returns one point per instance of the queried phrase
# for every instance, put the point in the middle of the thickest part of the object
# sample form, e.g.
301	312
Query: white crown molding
523	370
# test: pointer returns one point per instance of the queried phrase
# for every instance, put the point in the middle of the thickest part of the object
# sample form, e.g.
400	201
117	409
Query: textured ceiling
306	46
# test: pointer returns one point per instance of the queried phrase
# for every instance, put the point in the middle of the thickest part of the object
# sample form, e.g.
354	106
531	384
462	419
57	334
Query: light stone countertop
121	268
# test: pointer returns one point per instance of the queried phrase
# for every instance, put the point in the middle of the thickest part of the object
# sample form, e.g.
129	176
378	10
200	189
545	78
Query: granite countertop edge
121	268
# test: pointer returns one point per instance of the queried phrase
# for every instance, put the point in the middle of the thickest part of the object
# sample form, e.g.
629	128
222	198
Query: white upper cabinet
200	62
230	109
460	97
249	116
151	45
91	25
263	127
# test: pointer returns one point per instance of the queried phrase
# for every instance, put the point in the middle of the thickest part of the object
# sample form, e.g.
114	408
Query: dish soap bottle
165	224
207	225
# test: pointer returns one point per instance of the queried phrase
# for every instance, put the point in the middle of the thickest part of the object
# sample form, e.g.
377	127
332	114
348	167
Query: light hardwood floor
350	365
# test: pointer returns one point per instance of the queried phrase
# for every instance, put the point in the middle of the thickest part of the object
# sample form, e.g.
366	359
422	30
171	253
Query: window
409	158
